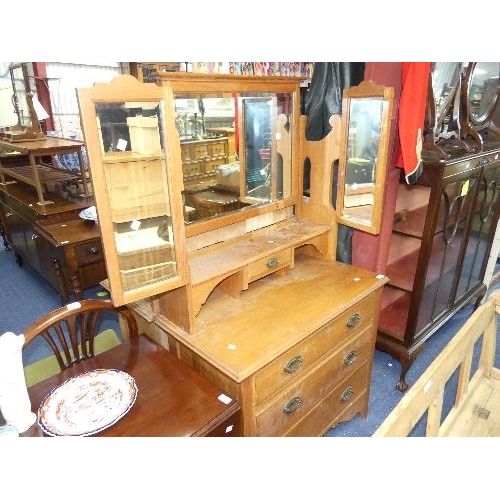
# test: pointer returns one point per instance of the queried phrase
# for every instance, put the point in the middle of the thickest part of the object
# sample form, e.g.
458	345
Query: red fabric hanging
412	104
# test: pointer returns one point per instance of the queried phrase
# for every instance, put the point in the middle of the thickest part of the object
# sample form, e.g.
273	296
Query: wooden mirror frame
198	83
472	126
21	132
365	90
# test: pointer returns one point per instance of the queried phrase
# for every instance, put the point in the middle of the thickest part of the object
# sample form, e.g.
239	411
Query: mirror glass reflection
365	116
483	91
134	164
445	78
235	151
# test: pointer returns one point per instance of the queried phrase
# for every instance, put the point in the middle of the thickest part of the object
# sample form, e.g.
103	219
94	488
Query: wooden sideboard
40	221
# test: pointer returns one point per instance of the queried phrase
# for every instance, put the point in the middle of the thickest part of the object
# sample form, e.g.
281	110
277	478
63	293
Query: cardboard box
144	135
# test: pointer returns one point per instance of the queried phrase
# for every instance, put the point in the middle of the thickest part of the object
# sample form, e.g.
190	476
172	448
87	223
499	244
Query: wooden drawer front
231	427
186	153
287	409
218	148
269	264
193	168
347	398
89	252
304	355
209	167
200	151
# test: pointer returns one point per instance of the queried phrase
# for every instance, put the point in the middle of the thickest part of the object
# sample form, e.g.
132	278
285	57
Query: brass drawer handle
350	357
292	405
94	251
293	365
347	394
353	320
272	262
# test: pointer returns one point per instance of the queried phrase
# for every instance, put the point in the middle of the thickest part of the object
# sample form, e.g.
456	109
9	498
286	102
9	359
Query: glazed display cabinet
442	234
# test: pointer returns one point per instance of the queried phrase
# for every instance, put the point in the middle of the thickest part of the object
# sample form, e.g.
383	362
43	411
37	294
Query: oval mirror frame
479	98
366	119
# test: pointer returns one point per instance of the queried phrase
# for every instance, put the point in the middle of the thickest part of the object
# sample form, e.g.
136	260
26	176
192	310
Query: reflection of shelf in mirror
140	277
361	214
127	156
140	241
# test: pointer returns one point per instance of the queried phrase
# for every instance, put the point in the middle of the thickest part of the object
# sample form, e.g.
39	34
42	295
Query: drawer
286	410
270	264
336	334
218	148
89	252
199	151
192	168
210	166
231	427
347	398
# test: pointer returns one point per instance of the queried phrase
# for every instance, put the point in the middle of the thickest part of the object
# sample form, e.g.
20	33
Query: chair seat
47	367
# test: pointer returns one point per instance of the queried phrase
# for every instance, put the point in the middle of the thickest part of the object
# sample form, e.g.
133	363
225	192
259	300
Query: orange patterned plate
88	403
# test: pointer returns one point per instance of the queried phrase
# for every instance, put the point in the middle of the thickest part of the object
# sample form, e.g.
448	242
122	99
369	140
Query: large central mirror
233	150
236	148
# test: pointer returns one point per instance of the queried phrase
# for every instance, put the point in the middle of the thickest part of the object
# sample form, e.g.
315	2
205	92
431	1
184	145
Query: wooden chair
71	330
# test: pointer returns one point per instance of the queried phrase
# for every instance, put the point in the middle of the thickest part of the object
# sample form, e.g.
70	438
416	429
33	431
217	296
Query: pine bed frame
476	411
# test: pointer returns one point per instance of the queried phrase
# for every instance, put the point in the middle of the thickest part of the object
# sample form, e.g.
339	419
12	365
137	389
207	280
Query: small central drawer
342	331
269	264
89	252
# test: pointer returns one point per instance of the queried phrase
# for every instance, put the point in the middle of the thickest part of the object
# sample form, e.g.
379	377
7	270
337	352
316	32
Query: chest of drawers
295	349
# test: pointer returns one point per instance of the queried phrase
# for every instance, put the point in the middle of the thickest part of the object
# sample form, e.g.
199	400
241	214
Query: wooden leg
58	273
4	237
76	287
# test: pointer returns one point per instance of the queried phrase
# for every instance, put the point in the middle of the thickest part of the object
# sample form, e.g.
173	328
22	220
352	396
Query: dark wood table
172	399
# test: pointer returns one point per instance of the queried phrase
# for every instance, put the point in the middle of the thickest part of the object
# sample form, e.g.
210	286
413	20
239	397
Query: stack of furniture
40	206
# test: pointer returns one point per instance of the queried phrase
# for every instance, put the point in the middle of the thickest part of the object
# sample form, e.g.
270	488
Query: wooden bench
476	410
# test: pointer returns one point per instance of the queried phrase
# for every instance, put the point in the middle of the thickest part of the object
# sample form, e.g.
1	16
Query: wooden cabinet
441	239
63	248
257	303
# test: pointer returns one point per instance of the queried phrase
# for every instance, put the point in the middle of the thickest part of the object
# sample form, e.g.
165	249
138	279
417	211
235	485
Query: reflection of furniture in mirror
479	97
367	111
137	195
24	102
442	116
260	148
255	314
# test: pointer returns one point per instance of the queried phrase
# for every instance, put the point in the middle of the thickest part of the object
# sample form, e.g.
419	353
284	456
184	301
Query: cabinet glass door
137	205
482	224
443	267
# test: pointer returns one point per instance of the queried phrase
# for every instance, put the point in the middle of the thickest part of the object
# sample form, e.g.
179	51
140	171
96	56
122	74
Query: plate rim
95	431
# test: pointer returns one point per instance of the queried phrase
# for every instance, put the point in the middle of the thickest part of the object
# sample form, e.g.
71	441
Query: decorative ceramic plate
88	403
89	213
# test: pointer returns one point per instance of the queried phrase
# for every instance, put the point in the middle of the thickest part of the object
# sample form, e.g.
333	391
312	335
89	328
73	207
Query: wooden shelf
402	272
46	174
394	315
